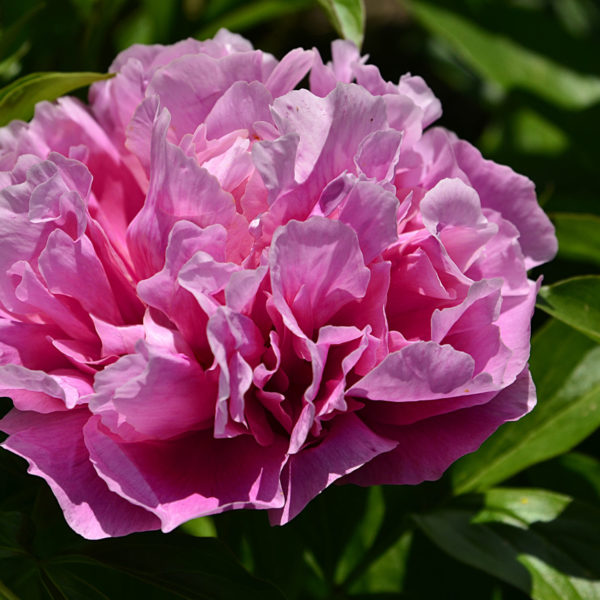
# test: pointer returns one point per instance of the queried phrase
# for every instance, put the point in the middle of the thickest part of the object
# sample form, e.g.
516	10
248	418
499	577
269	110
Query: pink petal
378	154
289	72
520	207
420	371
190	86
179	189
331	273
427	448
188	477
71	268
54	447
371	212
348	445
239	108
153	395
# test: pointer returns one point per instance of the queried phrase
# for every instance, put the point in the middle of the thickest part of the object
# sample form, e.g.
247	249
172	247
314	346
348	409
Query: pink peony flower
221	292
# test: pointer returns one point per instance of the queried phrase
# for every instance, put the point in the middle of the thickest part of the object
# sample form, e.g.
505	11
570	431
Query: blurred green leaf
533	134
149	24
507	63
578	236
544	543
201	527
363	536
347	17
18	99
566	368
574	473
252	14
8	36
387	572
576	302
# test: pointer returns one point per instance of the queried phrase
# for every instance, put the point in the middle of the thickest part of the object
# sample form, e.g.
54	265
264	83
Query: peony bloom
220	292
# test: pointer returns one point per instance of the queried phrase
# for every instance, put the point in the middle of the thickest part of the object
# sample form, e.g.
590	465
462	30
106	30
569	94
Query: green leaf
578	236
576	302
156	566
574	473
200	527
347	17
252	14
544	543
499	59
533	134
54	562
566	368
363	536
18	99
388	571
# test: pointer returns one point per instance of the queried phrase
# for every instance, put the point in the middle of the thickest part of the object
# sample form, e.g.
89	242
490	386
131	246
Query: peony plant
222	292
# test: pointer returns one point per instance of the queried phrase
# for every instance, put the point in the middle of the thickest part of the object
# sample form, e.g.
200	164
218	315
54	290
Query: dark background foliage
520	518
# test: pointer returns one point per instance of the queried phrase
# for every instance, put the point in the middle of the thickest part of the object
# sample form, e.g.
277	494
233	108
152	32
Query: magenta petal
237	345
190	86
290	70
54	447
348	445
191	476
427	448
40	392
419	92
378	154
153	395
73	269
179	189
371	212
520	207
242	105
275	161
331	274
420	371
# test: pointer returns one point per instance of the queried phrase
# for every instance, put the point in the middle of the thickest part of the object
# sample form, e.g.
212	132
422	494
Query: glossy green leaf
576	302
578	236
544	543
18	99
566	369
503	61
347	17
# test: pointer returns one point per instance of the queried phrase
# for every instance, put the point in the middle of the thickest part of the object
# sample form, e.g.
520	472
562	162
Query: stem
6	594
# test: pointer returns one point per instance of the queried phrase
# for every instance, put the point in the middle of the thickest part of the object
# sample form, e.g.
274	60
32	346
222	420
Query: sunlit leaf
201	527
533	134
578	236
18	99
347	17
508	64
566	368
576	302
544	543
